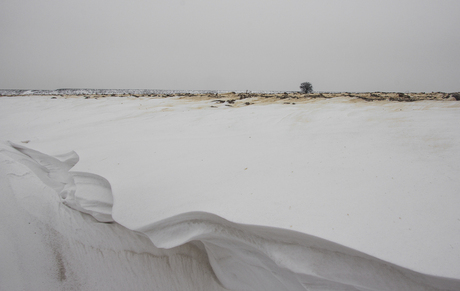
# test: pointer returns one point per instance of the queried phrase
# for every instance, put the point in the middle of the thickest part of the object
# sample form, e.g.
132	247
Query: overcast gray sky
337	45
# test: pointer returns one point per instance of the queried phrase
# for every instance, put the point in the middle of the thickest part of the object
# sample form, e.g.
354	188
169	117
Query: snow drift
45	245
190	251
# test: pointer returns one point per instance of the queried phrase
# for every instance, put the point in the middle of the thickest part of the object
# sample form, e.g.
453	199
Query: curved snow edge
253	257
85	192
243	257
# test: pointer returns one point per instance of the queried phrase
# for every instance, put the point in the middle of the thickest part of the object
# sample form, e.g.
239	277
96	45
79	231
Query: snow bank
242	257
45	245
94	195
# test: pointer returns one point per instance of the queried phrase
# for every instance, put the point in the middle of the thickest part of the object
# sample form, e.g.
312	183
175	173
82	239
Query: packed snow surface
184	194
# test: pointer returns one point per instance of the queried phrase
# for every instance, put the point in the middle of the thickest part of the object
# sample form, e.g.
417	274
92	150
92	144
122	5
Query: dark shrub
306	87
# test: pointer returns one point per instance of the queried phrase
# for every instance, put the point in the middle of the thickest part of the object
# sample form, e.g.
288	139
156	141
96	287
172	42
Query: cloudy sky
337	45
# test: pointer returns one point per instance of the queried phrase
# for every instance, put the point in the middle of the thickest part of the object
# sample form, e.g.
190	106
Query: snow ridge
85	192
248	257
242	257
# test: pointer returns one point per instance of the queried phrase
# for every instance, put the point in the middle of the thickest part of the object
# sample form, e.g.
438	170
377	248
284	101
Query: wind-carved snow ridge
247	257
85	192
242	257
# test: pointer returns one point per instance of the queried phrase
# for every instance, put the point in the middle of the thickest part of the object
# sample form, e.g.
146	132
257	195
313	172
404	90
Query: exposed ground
248	98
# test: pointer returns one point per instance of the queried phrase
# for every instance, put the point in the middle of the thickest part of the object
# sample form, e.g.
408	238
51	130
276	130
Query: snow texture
60	229
242	257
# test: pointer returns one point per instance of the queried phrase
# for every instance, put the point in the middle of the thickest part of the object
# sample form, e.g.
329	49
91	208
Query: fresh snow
337	194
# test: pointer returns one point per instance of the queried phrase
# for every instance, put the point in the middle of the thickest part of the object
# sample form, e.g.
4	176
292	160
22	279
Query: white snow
337	194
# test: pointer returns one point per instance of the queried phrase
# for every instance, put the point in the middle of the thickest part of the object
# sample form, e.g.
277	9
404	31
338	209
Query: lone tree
306	87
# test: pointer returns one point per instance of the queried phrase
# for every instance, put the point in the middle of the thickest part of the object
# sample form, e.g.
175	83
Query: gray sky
337	45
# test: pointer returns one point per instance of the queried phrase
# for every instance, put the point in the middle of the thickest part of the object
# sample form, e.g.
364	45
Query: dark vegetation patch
235	97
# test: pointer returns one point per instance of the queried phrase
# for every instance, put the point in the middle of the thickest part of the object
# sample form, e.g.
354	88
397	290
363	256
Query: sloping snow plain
189	194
